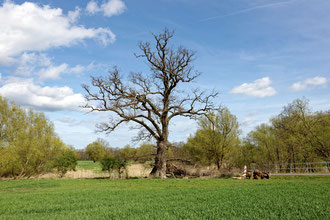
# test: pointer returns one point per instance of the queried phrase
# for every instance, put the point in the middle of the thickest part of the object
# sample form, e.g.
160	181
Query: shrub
109	163
65	162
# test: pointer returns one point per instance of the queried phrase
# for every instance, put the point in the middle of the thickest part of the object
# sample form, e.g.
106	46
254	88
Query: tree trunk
159	169
218	163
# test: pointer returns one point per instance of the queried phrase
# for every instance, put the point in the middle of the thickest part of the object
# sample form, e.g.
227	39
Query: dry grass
133	170
137	170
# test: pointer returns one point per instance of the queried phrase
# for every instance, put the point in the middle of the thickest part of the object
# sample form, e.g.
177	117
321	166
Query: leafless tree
152	100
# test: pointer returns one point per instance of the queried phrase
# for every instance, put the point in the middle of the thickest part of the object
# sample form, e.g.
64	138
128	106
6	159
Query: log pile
256	174
173	171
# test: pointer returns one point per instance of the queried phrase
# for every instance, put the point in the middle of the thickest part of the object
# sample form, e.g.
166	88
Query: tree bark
218	163
159	169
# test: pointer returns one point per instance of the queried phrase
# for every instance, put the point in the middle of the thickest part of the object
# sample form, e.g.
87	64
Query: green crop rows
280	198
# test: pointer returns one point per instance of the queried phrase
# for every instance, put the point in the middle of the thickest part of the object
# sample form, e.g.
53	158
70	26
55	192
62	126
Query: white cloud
92	7
41	65
79	68
30	27
315	81
109	8
27	63
74	15
52	72
113	7
0	77
259	88
26	93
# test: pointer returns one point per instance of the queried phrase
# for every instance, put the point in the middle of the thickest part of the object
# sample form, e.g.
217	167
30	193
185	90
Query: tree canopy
28	143
216	137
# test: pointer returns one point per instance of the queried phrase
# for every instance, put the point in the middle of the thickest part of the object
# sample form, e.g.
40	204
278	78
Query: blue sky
260	55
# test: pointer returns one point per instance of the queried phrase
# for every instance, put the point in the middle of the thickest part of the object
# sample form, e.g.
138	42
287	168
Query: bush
65	162
110	163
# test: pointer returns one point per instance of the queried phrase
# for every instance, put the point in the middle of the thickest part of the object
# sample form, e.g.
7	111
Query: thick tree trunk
159	169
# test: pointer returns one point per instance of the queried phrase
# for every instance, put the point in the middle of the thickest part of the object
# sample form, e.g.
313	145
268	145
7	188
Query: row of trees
296	135
29	145
100	148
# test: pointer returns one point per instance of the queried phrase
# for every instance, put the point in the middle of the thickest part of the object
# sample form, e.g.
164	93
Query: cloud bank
30	27
26	93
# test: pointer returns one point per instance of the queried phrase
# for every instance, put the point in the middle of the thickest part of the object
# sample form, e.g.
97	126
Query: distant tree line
29	145
100	148
296	135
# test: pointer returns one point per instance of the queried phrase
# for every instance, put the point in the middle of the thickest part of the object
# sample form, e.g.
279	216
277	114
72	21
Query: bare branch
150	101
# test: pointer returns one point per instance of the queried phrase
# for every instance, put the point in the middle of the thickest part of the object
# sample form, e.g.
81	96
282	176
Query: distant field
278	198
88	165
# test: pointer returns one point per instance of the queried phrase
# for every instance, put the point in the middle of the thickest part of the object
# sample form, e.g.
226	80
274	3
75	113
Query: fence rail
308	167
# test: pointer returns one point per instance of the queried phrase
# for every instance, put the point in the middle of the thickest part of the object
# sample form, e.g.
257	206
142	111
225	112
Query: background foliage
28	143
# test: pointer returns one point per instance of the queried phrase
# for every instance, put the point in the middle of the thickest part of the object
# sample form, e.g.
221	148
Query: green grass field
89	165
279	198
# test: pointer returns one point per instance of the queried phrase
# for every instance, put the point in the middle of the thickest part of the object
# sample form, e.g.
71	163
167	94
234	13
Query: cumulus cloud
30	27
26	93
309	82
109	8
52	72
113	7
259	88
29	64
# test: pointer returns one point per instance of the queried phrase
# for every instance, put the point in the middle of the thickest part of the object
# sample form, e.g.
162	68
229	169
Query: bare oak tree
152	100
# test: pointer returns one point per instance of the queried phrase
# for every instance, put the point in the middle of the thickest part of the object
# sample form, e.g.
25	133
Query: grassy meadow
89	165
278	198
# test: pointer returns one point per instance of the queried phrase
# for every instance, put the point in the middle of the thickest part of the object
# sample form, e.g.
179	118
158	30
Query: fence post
307	167
290	167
